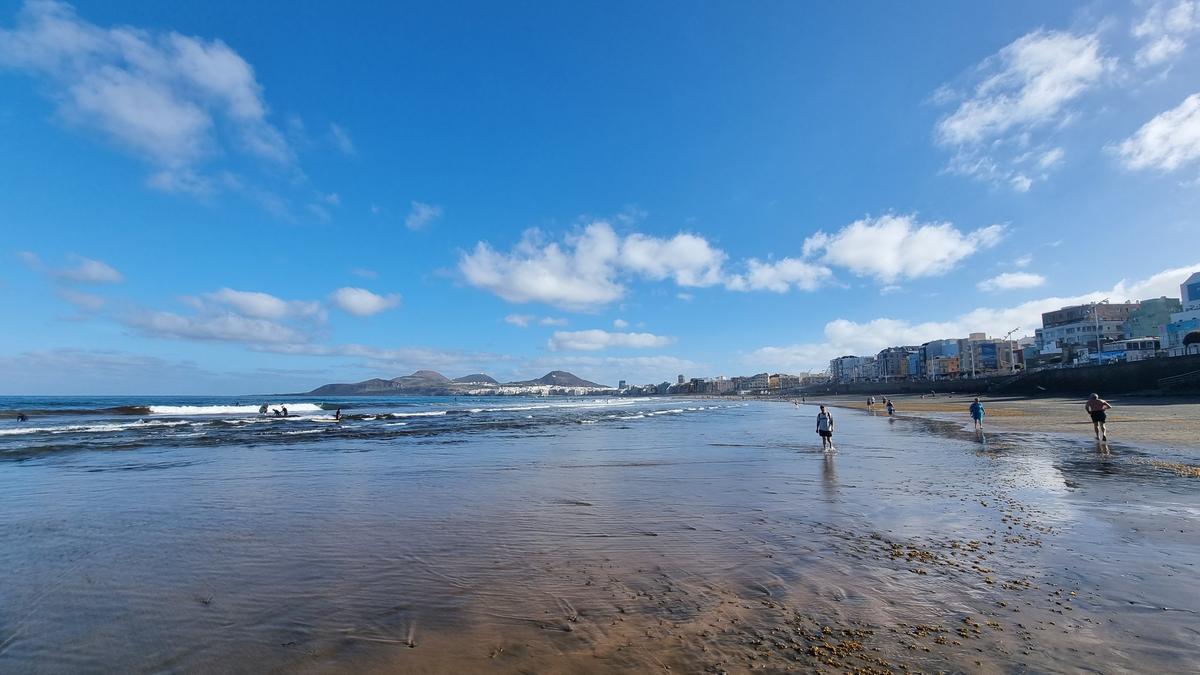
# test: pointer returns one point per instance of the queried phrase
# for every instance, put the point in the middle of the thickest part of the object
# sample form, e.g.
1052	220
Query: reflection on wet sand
702	545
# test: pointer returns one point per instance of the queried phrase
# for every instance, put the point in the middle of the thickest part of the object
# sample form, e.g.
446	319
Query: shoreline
1150	422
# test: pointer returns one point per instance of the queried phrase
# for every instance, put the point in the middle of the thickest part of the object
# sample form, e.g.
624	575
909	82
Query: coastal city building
981	355
1084	327
1182	334
1151	319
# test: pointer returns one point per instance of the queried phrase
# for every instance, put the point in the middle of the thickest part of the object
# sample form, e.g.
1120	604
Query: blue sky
224	199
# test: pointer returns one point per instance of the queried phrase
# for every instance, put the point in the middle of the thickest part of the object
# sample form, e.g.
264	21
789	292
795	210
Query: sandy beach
1149	421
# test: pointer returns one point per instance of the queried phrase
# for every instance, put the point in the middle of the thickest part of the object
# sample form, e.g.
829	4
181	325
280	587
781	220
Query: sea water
577	534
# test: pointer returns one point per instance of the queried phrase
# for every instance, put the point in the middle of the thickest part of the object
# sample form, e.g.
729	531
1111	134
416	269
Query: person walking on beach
977	414
871	404
825	429
891	407
1095	408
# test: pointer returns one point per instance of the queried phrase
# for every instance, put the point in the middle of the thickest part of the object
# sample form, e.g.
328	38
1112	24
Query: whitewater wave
90	428
228	409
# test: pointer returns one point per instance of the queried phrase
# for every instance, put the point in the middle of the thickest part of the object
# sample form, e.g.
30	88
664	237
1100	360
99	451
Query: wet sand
720	541
1153	421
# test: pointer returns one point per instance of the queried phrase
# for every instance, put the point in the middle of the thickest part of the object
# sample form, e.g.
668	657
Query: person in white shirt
825	429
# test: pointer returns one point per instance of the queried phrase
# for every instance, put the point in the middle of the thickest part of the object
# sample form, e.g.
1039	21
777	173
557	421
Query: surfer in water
22	417
284	408
262	409
338	415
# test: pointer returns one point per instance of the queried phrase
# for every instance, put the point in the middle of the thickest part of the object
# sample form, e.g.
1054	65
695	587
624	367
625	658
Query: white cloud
166	97
894	247
361	302
82	271
521	320
1167	142
1164	31
688	259
1030	82
1011	280
221	327
594	340
1051	158
1024	260
620	323
842	337
341	140
686	297
264	305
579	274
421	215
1023	89
364	273
779	276
552	321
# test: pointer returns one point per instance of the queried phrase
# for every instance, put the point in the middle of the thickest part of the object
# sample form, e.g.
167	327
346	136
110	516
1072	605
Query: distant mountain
420	383
559	378
477	378
432	383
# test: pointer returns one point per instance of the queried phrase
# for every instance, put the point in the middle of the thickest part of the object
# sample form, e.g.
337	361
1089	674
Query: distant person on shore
871	404
1095	408
825	429
977	414
891	407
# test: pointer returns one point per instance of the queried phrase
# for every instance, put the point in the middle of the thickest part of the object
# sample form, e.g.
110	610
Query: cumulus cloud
1164	31
521	320
686	258
421	215
264	305
166	97
361	302
589	268
620	323
595	340
894	247
1167	142
1011	280
578	274
779	276
842	336
1025	88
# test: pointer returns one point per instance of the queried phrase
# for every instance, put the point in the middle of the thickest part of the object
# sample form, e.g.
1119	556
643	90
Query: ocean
186	534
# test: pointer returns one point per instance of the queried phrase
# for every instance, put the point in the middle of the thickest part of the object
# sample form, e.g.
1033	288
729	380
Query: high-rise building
680	380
